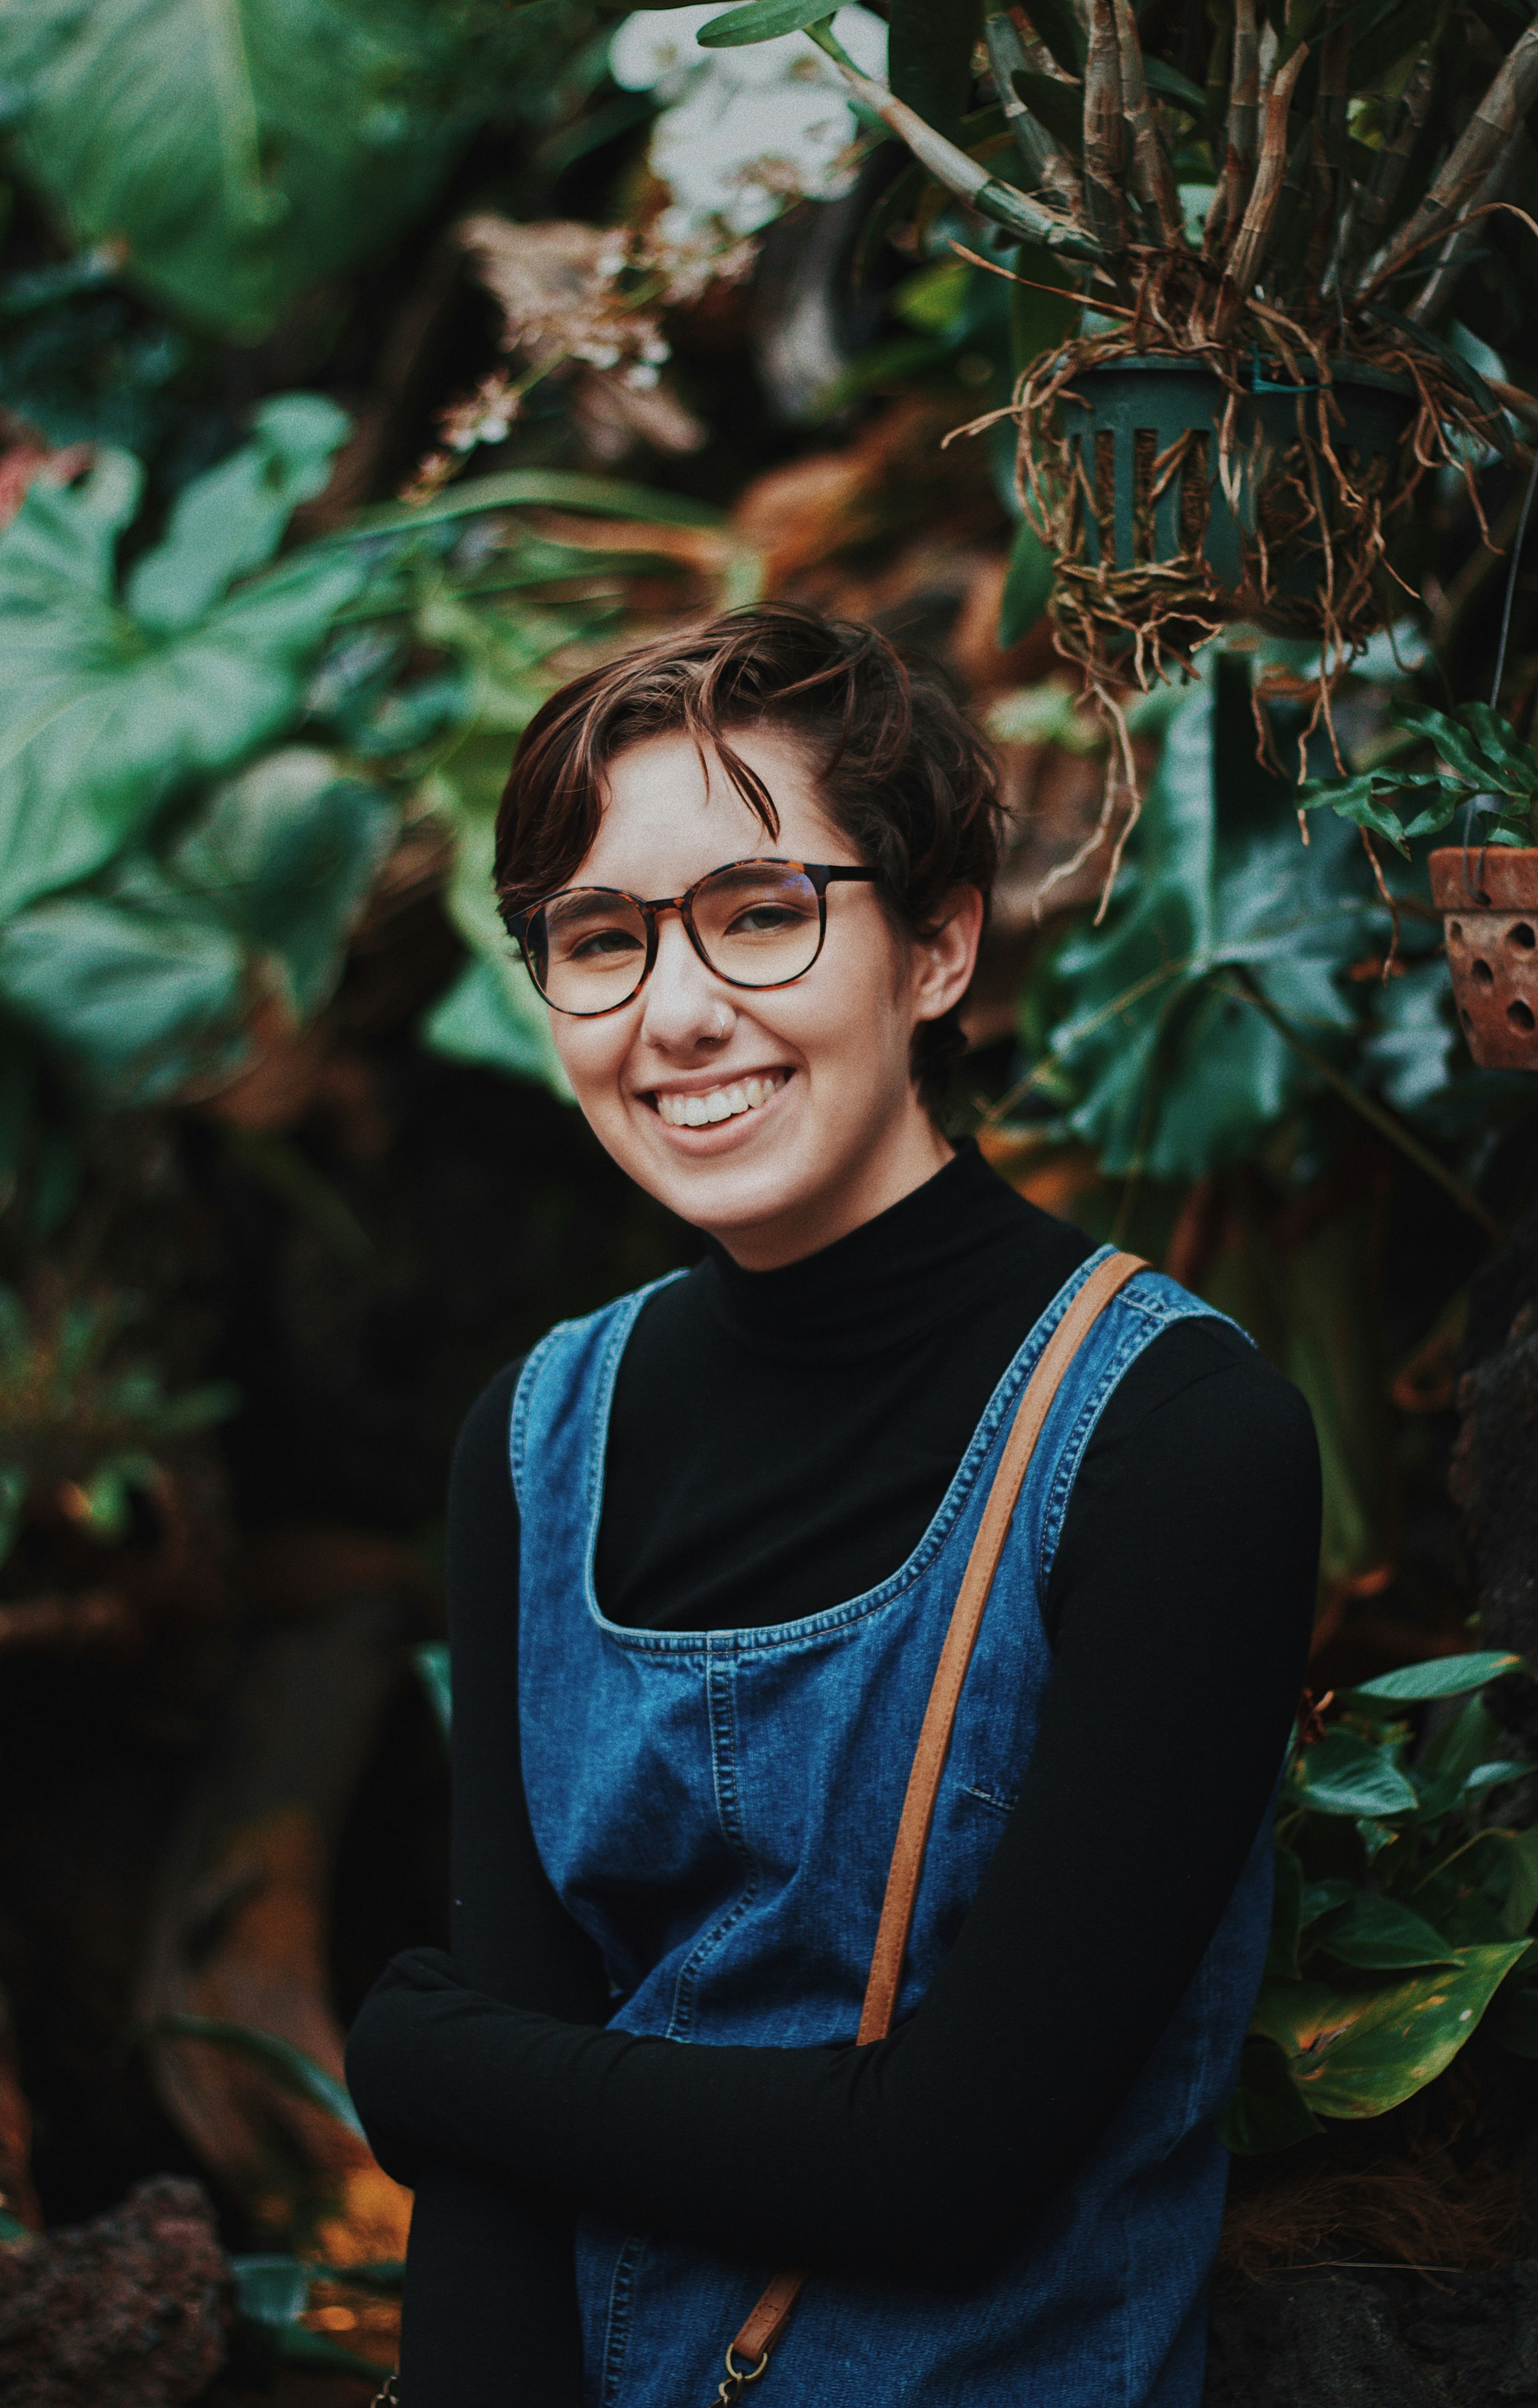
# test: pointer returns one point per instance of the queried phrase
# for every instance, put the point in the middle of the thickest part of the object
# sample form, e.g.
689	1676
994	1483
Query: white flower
747	129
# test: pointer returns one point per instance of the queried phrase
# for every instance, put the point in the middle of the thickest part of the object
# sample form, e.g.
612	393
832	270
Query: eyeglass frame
820	876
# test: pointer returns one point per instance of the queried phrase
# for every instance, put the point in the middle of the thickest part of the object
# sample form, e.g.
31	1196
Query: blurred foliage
1401	1908
80	1428
234	157
1217	994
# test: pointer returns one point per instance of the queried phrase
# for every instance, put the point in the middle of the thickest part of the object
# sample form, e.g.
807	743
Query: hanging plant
1256	391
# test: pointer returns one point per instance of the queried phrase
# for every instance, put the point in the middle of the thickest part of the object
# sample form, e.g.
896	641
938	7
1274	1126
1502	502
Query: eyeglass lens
758	923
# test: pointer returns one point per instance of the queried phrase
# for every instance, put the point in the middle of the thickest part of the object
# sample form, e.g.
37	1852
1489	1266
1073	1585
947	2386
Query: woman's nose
686	1004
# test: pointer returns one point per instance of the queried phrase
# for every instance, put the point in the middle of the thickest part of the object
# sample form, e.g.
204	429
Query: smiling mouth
725	1103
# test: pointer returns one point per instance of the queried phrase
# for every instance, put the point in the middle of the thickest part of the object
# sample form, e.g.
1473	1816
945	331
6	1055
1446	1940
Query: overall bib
717	1808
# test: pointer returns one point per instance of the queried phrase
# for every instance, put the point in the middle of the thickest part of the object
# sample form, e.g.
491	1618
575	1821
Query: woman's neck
915	1151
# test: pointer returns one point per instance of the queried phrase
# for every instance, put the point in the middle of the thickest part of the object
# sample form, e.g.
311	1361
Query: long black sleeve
1182	1591
490	2315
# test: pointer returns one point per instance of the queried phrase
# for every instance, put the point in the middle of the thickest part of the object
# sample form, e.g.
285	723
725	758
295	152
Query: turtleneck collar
884	1284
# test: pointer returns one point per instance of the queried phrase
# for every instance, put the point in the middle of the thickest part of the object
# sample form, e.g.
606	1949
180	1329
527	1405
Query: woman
703	1550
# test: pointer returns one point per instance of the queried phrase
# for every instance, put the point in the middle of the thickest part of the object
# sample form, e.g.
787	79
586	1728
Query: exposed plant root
1314	522
1428	2214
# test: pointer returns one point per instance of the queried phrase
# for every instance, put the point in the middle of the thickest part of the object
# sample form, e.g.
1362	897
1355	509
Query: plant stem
1044	160
1237	168
1486	138
1376	1114
1153	178
1247	256
1104	131
951	166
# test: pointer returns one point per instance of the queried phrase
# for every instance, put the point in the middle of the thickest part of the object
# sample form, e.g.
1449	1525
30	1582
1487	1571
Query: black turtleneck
779	1443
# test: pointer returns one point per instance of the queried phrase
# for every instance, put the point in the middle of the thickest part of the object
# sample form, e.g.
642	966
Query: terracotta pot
1491	924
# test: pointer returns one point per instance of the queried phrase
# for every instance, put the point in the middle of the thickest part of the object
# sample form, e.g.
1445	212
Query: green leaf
1379	1934
1168	1073
929	59
493	1013
1169	85
287	2065
432	1668
1366	801
105	718
231	521
1343	1774
270	2290
1444	1676
1287	1914
1027	587
1359	2050
1320	1895
556	489
1521	1903
242	152
286	853
761	20
1267	2110
1483	760
136	997
1058	106
1499	741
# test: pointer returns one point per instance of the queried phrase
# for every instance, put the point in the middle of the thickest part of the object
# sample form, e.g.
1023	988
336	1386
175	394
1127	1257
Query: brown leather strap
748	2350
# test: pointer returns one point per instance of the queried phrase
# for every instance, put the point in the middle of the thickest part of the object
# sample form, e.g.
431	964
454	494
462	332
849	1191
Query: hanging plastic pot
1177	500
1488	899
1159	474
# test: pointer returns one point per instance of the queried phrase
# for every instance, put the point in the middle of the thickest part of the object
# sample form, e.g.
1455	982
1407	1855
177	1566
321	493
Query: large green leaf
1343	1774
1359	2050
493	1013
1168	1068
138	995
231	521
1267	2110
104	716
286	853
930	58
1444	1676
1379	1934
242	150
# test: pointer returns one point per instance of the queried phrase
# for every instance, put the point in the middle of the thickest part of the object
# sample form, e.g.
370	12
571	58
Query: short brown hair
903	774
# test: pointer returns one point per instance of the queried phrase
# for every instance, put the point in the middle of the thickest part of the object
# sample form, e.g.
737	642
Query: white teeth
721	1104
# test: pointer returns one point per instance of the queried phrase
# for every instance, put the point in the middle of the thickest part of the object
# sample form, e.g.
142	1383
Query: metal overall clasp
737	2377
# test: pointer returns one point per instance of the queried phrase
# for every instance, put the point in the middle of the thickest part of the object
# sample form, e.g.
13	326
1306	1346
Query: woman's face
825	1128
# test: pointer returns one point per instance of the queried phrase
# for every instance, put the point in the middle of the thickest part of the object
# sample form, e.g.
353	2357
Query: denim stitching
720	1708
622	2295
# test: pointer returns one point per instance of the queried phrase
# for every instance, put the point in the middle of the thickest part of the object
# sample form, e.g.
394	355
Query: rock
129	2311
1479	2336
1310	2343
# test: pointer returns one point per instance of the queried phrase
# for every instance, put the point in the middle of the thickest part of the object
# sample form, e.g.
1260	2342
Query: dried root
1312	520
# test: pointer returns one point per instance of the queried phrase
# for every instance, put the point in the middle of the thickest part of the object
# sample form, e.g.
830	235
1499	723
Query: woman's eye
763	920
599	943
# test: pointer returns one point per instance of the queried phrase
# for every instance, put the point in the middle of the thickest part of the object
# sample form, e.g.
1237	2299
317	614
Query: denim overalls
717	1808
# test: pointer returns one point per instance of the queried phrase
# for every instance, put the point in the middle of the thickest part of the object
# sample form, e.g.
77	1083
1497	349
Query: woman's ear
943	962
